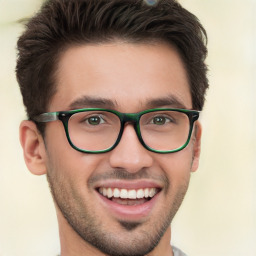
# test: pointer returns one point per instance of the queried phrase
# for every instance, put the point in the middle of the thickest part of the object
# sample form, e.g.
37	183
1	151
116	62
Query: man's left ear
196	146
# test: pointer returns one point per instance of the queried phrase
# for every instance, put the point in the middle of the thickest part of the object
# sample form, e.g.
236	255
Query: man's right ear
33	148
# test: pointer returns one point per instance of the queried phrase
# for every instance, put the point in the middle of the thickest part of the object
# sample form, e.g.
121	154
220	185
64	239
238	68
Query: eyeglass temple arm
46	117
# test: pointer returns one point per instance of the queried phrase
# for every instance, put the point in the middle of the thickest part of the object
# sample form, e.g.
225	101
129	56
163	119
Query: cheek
177	166
70	166
62	156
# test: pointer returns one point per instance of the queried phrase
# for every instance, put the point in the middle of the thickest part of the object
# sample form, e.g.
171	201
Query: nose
129	154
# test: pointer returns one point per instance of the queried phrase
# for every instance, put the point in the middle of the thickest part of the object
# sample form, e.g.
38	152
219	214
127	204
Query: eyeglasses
98	130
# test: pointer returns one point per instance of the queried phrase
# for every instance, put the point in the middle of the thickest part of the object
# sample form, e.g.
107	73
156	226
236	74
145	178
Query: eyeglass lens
99	130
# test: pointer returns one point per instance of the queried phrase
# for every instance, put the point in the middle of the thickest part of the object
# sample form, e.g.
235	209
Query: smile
128	193
129	200
129	197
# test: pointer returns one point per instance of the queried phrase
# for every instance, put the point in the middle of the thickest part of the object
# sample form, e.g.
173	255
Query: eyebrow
168	101
92	102
99	102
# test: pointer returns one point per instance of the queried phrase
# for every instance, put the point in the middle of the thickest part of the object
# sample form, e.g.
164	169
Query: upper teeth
128	193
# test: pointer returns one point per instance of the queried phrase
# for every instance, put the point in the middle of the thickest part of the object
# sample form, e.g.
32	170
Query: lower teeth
129	201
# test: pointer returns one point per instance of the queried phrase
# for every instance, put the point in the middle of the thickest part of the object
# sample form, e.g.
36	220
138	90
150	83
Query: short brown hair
63	23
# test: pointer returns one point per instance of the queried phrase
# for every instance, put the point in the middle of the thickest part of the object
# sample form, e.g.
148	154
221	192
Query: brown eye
160	120
95	120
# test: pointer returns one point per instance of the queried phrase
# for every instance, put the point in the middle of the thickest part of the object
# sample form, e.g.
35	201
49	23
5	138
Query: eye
160	120
94	120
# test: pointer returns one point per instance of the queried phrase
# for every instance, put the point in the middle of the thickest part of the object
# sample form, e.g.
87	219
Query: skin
130	77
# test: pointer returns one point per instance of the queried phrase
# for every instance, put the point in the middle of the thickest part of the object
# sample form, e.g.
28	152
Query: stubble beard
138	241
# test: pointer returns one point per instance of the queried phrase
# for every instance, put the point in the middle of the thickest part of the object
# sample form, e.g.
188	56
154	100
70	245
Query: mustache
123	174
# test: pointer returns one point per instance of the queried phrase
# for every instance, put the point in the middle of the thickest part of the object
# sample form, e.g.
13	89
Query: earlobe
196	146
33	147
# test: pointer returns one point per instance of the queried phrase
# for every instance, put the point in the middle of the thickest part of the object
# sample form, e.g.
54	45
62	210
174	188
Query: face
128	78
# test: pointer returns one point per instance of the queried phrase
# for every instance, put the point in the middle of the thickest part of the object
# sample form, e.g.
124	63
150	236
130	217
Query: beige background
218	215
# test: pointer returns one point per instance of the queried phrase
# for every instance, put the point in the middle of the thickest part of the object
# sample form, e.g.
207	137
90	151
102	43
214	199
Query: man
113	90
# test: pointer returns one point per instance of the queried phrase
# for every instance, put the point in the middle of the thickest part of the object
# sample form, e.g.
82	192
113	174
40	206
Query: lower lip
129	212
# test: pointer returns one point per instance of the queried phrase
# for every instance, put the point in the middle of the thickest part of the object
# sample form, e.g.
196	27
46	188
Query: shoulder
177	252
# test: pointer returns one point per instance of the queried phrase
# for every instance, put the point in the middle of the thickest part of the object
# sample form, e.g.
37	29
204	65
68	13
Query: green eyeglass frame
124	118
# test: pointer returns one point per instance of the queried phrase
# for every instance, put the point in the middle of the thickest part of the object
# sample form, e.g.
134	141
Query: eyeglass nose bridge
133	119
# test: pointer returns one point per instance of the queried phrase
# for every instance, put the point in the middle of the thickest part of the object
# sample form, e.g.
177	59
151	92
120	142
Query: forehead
127	75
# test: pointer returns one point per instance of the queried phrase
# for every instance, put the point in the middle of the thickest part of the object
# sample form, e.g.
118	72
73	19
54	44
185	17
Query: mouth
129	200
128	197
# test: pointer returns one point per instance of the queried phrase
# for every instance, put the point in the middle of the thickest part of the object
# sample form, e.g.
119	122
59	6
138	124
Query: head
126	56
